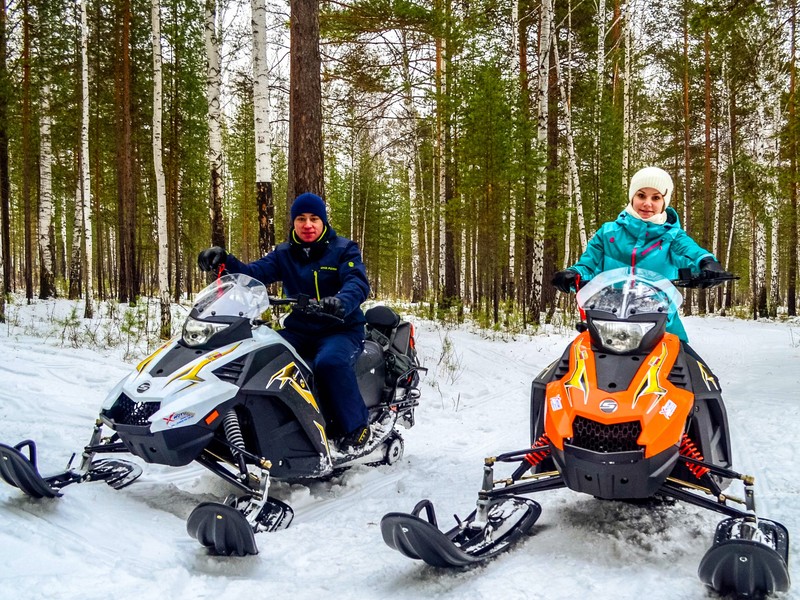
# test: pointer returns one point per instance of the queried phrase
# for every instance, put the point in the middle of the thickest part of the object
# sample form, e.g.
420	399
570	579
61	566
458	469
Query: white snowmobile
232	395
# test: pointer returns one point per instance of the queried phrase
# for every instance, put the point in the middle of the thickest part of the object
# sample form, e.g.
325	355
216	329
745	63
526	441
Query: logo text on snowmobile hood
143	387
292	375
609	405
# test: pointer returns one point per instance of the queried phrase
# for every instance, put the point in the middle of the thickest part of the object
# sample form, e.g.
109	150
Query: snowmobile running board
22	472
470	542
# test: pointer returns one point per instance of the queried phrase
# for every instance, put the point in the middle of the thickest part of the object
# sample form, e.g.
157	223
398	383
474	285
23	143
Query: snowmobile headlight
197	333
622	336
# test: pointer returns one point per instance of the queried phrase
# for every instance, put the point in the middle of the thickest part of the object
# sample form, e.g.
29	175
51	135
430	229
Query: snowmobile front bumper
613	475
173	447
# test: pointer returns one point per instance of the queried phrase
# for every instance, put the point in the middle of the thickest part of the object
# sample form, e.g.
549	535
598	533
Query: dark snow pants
333	359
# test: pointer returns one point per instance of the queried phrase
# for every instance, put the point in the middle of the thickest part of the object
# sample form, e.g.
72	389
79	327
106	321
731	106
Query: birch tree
46	279
213	76
158	164
5	242
545	40
261	118
85	192
574	186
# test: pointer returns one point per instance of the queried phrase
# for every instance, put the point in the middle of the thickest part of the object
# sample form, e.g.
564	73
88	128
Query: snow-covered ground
96	542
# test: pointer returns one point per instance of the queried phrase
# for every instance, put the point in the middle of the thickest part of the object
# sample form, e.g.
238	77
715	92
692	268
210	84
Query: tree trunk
27	158
545	40
574	180
791	270
687	145
306	167
707	189
261	118
46	278
126	214
158	164
213	72
5	190
598	113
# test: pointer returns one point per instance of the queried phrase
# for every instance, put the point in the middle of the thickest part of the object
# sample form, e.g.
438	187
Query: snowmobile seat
383	318
370	373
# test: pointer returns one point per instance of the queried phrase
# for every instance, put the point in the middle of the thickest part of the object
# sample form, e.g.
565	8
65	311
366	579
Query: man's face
308	227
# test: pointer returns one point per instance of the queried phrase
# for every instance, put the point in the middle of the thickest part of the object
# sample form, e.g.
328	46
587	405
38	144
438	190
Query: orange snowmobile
626	413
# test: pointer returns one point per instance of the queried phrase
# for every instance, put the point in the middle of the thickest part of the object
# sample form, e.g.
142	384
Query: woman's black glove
711	272
332	306
565	280
211	258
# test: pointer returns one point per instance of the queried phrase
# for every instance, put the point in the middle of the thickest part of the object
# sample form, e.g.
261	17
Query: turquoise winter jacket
631	242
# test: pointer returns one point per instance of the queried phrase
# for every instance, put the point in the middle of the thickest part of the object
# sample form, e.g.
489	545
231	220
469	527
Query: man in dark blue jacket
317	262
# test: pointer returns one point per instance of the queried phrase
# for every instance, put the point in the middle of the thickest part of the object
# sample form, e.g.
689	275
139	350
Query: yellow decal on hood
150	358
649	384
292	375
578	379
190	373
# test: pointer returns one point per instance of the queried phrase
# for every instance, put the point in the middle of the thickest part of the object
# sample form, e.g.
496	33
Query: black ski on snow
745	567
508	519
22	472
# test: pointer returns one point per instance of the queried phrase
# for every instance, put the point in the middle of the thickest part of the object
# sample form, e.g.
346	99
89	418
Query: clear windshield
234	295
625	292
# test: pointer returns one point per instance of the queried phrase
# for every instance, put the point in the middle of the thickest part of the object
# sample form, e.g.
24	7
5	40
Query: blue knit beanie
309	203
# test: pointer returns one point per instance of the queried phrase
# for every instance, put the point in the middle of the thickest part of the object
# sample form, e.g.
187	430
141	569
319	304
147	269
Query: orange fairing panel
660	407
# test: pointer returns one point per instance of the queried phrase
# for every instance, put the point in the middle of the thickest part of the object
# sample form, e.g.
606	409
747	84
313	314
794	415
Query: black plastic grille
594	436
679	377
128	412
231	372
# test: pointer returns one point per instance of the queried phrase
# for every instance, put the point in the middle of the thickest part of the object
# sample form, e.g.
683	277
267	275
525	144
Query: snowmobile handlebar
305	304
694	280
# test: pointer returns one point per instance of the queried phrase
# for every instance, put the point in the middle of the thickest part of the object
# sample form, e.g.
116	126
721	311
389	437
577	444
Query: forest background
470	147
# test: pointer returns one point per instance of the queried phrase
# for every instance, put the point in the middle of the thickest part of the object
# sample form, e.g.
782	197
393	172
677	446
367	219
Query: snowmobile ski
746	560
21	471
222	529
226	529
508	519
115	472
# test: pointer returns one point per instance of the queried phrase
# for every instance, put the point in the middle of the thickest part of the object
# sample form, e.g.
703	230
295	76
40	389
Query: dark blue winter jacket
330	266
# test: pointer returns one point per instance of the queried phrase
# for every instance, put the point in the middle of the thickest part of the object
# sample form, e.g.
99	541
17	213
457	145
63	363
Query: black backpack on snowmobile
232	395
626	413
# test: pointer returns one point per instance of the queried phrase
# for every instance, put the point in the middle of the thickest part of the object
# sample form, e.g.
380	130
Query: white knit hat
652	177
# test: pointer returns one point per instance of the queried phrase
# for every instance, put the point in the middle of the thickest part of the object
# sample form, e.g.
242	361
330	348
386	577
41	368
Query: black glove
564	280
332	306
211	258
711	272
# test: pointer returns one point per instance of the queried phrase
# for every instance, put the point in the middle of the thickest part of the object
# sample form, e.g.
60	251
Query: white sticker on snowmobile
555	402
668	409
178	418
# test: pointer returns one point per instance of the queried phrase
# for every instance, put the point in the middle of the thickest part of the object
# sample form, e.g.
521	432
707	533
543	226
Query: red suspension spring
690	450
534	458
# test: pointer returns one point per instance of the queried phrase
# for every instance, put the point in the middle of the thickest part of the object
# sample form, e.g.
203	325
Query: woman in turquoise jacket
647	234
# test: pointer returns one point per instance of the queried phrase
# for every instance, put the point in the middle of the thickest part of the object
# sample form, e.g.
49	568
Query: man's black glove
711	272
332	306
211	258
565	280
